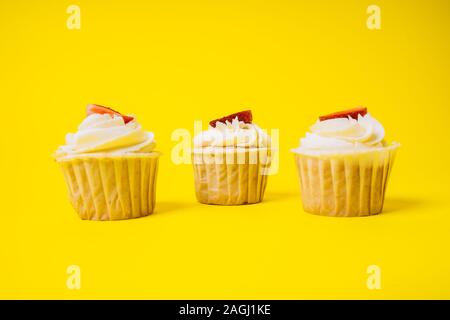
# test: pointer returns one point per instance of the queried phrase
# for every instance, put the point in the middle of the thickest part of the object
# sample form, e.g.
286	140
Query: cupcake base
231	176
111	188
345	185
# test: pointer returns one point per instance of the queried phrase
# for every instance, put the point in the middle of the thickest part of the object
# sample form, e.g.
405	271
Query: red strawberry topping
96	108
353	113
245	116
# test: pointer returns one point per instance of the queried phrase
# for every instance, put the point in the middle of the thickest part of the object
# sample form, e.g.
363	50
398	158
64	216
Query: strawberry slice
245	116
353	113
96	108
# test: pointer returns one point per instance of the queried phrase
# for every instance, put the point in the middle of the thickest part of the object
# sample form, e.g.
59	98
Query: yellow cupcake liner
231	176
345	185
111	188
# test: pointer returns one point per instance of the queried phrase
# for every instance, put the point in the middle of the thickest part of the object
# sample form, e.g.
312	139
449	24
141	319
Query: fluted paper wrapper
348	185
112	188
232	177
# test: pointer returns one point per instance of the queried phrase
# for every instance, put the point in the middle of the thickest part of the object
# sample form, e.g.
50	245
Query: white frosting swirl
105	133
344	134
233	134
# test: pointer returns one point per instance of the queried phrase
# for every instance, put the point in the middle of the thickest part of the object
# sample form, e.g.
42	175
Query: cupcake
110	166
231	161
344	165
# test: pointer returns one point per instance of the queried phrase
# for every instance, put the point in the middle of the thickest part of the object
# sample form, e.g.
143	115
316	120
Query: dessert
231	161
110	166
344	164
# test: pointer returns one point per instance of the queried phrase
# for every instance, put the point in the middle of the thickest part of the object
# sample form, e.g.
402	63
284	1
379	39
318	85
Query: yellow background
173	62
